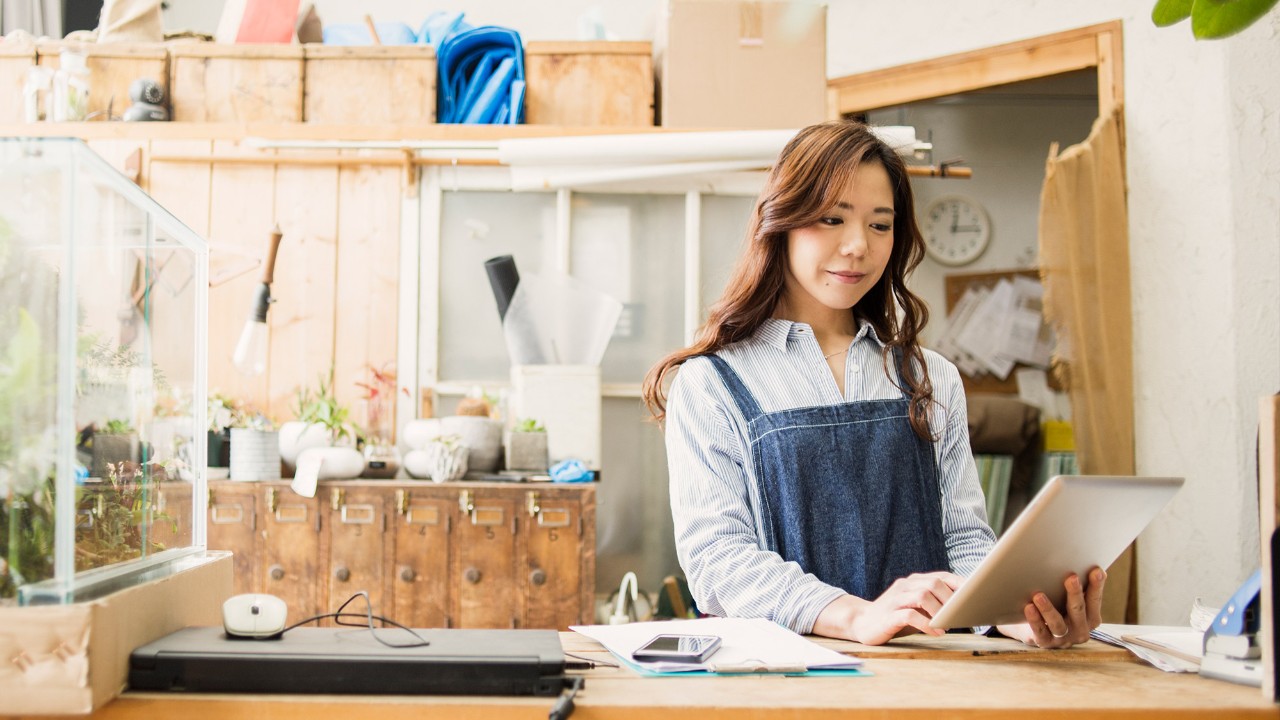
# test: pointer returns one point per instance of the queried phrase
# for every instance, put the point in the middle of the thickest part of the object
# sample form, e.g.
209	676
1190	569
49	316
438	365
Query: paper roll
503	278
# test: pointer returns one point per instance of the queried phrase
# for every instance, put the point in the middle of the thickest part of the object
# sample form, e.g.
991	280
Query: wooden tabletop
955	676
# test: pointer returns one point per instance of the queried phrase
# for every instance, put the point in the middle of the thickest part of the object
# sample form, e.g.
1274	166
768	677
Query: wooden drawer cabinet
462	554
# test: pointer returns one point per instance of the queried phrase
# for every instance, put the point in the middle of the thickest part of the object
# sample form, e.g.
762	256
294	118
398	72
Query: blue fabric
849	491
389	33
439	25
570	471
476	80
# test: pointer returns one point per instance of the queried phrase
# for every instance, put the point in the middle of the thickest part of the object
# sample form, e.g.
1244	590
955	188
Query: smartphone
678	648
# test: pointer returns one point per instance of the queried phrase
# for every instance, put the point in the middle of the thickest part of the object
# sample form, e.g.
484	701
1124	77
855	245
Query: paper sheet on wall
743	642
957	320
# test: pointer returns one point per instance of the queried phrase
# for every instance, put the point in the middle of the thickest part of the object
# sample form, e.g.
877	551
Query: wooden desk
956	676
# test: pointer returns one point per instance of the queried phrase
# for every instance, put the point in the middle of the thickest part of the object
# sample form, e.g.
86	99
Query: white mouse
254	615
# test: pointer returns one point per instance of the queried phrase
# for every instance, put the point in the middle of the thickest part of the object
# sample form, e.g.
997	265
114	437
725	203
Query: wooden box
589	83
112	68
236	83
366	85
15	60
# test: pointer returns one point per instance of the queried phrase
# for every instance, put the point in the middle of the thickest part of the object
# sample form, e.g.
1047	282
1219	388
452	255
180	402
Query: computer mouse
254	615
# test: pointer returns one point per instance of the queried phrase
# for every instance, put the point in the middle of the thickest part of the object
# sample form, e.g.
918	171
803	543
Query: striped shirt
714	496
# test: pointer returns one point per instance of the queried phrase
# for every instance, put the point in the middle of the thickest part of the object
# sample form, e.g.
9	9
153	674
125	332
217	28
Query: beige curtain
1084	266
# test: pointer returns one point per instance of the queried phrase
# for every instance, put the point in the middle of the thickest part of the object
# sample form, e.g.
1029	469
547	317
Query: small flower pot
255	454
527	451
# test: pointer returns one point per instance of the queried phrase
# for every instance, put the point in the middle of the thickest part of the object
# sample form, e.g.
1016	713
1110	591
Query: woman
820	467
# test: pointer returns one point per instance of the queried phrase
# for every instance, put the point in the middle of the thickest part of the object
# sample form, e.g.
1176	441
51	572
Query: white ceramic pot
296	437
417	433
439	461
336	463
482	435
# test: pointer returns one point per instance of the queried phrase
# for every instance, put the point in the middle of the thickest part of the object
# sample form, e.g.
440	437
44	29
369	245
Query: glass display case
103	330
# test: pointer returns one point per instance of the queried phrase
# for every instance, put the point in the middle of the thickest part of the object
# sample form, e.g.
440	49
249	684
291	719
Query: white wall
1204	204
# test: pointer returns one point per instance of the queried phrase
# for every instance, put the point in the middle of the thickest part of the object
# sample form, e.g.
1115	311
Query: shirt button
855	368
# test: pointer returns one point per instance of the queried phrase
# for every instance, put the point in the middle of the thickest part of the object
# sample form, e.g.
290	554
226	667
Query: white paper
557	319
742	642
985	334
956	323
1112	634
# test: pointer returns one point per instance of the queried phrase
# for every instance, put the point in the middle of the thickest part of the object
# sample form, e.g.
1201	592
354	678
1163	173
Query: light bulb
250	357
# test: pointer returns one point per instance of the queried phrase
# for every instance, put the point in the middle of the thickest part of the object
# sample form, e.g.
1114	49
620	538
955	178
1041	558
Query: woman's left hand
1048	628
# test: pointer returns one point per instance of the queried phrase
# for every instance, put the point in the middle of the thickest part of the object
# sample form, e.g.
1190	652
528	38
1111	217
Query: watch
956	229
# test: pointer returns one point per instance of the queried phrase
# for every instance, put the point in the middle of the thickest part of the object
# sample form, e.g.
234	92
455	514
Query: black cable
564	706
369	617
592	663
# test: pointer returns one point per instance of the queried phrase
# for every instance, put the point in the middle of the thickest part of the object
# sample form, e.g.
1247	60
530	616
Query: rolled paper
503	278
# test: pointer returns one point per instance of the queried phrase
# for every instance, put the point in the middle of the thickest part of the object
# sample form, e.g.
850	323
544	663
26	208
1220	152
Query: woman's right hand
904	608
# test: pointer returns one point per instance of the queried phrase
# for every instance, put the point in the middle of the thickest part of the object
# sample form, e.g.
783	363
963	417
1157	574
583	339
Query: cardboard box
72	659
726	64
589	83
209	82
370	84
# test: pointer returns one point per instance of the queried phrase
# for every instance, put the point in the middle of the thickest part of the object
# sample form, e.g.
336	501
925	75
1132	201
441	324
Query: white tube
551	177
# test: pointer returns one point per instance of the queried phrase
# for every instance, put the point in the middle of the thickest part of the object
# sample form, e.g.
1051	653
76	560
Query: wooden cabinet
464	554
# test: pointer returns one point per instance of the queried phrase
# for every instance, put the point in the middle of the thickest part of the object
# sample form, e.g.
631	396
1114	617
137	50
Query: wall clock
956	230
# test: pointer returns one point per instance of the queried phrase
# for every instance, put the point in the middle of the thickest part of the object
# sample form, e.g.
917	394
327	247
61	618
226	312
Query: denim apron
848	491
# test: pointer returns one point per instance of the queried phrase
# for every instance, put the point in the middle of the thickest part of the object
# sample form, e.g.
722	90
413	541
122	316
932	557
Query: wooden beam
1094	46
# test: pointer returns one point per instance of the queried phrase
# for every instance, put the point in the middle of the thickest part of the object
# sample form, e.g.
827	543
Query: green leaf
1216	19
1170	12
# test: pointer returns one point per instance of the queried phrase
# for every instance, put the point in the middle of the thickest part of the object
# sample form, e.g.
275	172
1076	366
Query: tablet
1075	523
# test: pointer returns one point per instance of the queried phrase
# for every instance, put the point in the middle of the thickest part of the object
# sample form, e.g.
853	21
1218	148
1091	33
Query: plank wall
336	273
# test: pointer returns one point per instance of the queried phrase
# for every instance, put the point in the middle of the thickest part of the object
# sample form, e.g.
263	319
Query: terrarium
102	378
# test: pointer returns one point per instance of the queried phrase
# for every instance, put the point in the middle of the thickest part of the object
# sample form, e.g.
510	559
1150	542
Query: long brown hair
811	173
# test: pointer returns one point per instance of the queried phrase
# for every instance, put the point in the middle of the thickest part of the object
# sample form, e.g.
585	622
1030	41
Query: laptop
351	660
1076	523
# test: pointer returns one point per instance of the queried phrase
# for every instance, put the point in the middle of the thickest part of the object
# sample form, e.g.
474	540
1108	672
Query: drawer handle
341	573
276	572
538	577
407	574
472	575
227	514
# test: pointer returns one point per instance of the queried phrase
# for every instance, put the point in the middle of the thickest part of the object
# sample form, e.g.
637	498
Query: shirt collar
775	332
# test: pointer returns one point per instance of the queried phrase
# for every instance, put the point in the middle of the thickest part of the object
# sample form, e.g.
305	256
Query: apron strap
741	395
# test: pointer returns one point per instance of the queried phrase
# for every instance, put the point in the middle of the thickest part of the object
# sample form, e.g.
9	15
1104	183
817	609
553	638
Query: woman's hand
1047	628
906	607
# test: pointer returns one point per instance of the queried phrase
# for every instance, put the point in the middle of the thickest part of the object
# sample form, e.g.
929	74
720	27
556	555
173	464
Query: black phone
678	648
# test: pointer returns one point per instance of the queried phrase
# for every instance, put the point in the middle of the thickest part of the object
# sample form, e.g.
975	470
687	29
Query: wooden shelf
311	131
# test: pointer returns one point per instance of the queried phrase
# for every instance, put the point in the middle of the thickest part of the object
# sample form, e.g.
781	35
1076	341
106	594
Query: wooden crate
15	60
112	68
370	84
236	83
589	83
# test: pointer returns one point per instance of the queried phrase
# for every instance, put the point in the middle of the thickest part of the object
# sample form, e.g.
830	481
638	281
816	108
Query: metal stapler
1231	647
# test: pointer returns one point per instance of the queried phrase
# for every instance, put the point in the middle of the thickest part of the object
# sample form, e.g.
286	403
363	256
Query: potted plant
382	459
222	415
527	446
114	442
321	429
319	421
255	447
443	459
